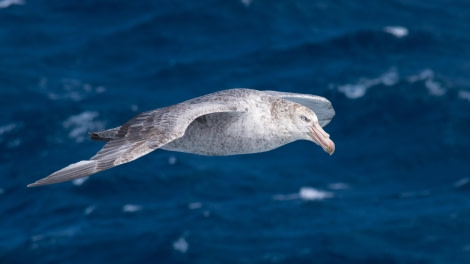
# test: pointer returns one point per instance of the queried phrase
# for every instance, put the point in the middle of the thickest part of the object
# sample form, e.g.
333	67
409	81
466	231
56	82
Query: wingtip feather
73	171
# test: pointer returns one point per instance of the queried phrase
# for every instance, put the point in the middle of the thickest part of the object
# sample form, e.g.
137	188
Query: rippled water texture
397	189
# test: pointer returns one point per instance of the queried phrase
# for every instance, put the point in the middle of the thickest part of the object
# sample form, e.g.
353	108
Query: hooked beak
322	138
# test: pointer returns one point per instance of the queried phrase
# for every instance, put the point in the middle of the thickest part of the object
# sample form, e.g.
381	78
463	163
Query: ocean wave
246	3
359	89
131	208
8	3
68	89
79	125
51	238
465	95
9	134
339	186
427	75
80	181
155	33
462	182
8	128
89	210
181	245
397	31
370	41
391	78
305	193
308	55
194	205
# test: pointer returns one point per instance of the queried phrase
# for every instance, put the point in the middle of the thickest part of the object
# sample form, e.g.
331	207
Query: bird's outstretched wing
141	135
320	105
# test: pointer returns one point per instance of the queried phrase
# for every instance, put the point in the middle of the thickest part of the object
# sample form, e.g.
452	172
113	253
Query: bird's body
231	133
229	122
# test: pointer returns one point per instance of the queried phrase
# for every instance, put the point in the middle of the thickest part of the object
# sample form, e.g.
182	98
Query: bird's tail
73	171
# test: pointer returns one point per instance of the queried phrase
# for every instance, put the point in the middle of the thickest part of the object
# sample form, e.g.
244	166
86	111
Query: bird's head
306	126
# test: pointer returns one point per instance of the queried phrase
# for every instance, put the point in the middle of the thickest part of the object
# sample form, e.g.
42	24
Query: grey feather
105	135
73	171
139	136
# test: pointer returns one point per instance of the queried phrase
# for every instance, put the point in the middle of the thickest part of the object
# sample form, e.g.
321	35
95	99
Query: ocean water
397	189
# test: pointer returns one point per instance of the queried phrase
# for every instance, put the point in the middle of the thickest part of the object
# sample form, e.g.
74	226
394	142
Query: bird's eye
303	118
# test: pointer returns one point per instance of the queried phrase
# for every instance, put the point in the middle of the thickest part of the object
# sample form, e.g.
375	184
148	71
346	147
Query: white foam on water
427	75
37	238
246	3
52	237
338	186
194	205
397	31
72	89
423	75
181	245
172	160
461	182
7	3
312	194
390	78
305	193
79	125
353	91
131	208
358	90
80	181
134	108
100	89
434	87
68	89
464	95
90	209
7	128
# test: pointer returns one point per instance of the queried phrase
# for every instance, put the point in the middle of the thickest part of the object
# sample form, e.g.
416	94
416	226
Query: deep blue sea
397	189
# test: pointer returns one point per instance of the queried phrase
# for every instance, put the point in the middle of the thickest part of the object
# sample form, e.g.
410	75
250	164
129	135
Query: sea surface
397	189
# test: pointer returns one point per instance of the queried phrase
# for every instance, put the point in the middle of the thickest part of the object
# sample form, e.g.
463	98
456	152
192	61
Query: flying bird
228	122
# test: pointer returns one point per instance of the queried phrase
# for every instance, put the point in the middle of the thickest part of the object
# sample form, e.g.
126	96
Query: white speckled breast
231	133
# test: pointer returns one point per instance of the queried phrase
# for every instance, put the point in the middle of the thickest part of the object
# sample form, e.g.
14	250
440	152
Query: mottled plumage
229	122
